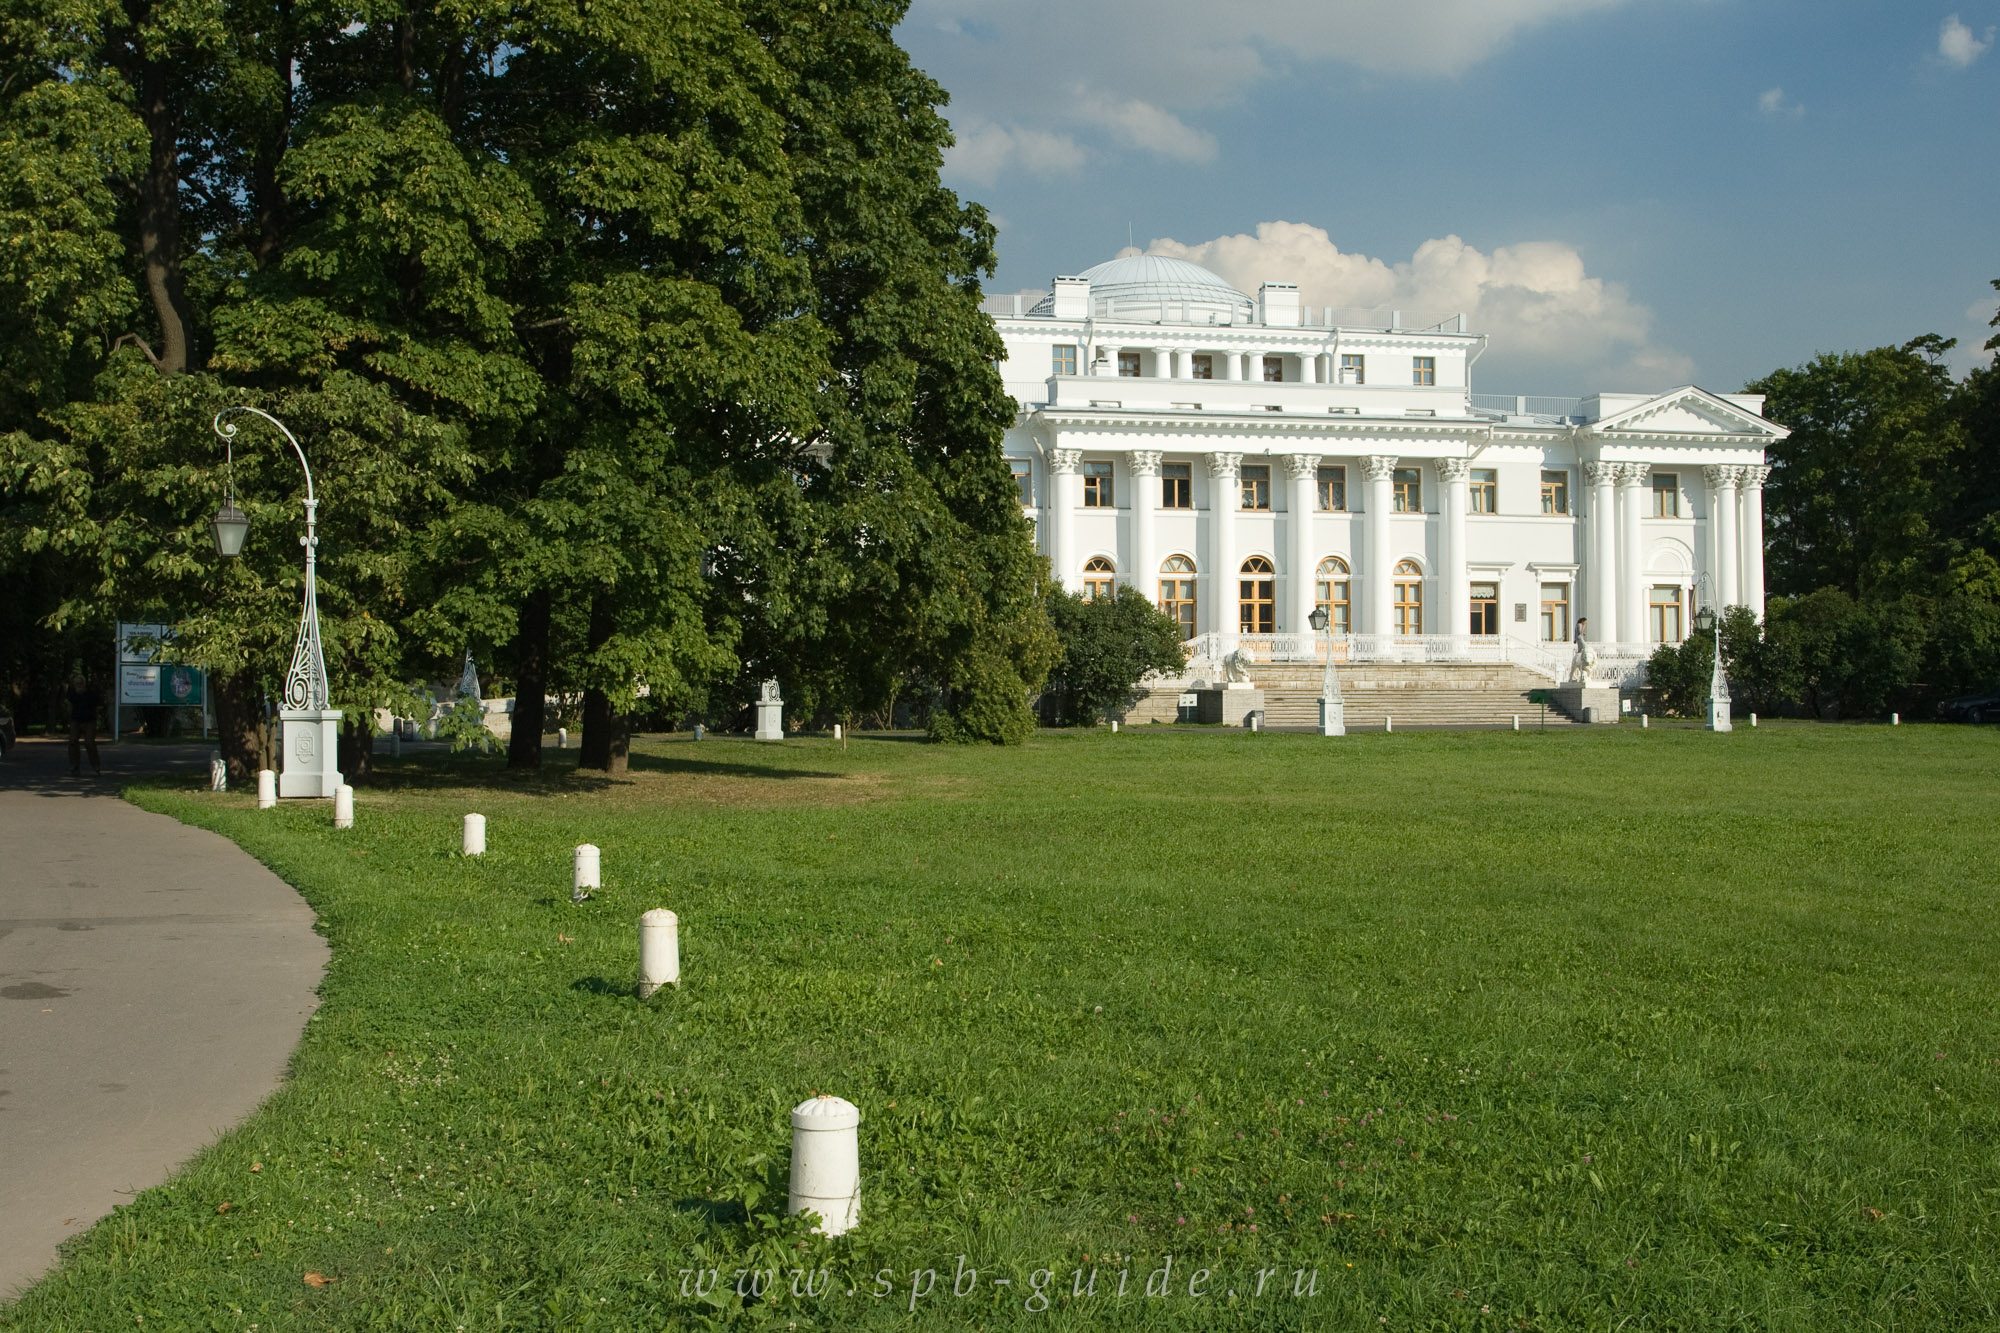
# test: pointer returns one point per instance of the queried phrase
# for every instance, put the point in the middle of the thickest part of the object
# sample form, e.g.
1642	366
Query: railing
1617	664
1195	313
1528	405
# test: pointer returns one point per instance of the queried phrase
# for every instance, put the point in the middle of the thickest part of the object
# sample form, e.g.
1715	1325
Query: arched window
1409	598
1331	592
1177	592
1257	607
1099	578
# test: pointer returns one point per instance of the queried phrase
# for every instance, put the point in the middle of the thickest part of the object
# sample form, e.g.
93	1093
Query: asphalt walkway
154	980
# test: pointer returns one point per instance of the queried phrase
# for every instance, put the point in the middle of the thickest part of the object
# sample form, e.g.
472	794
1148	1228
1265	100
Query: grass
1591	1029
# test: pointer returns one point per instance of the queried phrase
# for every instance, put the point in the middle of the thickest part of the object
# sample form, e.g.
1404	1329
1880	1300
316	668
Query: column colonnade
1302	474
1378	599
1452	583
1223	499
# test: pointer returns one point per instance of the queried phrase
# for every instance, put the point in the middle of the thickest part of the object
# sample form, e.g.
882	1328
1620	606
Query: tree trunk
160	216
531	683
357	750
605	740
239	728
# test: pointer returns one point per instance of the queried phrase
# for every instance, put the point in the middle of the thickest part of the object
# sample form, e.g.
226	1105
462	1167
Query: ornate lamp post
1705	618
1332	708
311	729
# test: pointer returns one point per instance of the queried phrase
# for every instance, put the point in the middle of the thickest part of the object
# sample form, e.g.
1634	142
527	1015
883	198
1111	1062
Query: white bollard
1753	721
1114	726
1517	721
659	951
584	876
218	773
1645	721
1895	719
267	789
343	806
1388	723
475	835
699	731
838	734
826	1163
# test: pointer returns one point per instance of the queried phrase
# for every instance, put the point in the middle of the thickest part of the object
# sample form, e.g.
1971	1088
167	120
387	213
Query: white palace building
1244	460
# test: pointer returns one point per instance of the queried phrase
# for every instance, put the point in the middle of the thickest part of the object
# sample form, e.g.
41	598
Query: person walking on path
84	701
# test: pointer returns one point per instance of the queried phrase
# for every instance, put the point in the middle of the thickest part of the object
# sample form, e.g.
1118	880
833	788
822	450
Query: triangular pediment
1687	411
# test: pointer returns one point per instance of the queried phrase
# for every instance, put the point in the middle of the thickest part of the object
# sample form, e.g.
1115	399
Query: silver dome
1158	289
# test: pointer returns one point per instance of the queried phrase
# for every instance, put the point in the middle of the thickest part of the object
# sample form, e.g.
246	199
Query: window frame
1424	371
1555	493
1061	364
1024	480
1253	491
1136	362
1098	489
1406	490
1201	365
1671	492
1178	596
1491	605
1274	370
1177	477
1330	476
1483	490
1100	578
1677	605
1355	362
1548	626
1407	583
1257	596
1333	591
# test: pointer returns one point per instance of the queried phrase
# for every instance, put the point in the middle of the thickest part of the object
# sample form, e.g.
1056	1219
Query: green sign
1538	697
143	684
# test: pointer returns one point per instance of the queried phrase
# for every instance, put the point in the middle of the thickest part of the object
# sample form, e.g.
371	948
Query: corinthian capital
1379	467
1065	460
1301	467
1754	475
1453	469
1600	474
1144	462
1635	474
1223	467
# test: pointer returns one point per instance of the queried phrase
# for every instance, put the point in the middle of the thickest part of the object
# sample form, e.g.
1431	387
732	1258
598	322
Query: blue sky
1626	194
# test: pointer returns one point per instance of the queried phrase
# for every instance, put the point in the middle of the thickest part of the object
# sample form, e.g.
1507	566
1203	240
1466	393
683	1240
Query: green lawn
1589	1029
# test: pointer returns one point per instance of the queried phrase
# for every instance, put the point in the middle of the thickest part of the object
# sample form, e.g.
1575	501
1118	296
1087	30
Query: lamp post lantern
1332	708
310	729
1706	619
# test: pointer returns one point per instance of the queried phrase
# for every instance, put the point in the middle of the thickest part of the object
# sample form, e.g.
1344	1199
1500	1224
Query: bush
989	704
1108	646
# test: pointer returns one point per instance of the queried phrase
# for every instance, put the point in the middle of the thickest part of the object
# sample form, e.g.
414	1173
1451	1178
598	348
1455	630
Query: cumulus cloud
1548	317
984	152
1132	71
1773	103
1957	46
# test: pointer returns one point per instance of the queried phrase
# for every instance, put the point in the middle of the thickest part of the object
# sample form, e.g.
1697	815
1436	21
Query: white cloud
984	152
1133	70
1956	44
1773	103
1547	316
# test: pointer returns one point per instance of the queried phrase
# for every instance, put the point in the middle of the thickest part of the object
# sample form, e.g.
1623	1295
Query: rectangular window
1274	370
1024	479
1555	492
1128	365
1423	370
1666	495
1333	489
1555	612
1097	485
1257	488
1064	361
1352	369
1666	611
1176	485
1485	490
1409	492
1485	608
1204	366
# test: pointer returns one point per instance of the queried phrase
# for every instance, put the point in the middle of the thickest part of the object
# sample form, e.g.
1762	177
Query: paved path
154	980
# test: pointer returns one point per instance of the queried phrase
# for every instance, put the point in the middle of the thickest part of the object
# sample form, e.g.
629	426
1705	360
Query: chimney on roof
1279	302
1072	298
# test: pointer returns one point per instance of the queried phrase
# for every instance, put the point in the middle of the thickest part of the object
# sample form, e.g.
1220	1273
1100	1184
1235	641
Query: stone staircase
1414	695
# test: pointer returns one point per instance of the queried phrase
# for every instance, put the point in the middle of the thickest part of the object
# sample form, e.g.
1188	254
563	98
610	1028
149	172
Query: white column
1452	584
1732	566
1603	578
1177	364
1231	363
1303	472
1065	485
1378	601
1142	566
1163	363
1223	497
1632	481
1751	500
1721	533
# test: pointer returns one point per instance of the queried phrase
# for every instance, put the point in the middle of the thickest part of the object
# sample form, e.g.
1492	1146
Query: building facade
1243	460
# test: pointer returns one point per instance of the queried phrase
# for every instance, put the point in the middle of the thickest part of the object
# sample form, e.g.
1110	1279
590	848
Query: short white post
1895	719
1753	721
584	875
1517	721
826	1163
218	773
267	789
699	731
1388	723
343	806
1256	721
1645	721
838	734
475	835
659	951
562	738
1114	726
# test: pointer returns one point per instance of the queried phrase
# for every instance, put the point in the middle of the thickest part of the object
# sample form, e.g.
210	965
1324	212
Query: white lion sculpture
1236	667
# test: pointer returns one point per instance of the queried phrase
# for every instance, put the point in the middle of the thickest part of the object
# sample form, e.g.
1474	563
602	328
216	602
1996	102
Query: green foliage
1108	646
1088	998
